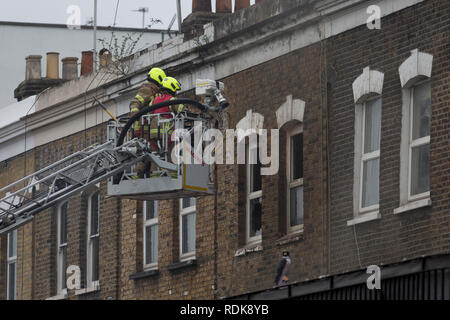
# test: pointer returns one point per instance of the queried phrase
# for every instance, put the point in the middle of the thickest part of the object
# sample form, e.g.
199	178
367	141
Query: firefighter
145	96
169	89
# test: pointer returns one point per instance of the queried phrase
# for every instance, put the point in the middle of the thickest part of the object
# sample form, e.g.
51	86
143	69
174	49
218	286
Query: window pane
95	255
255	217
370	184
63	224
420	169
12	244
12	281
151	210
94	213
63	259
188	233
188	202
372	125
296	199
421	110
297	156
151	244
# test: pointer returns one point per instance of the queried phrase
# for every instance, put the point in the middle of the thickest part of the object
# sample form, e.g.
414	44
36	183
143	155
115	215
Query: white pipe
95	35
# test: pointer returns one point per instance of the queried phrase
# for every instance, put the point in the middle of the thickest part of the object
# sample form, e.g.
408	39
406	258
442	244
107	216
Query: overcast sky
55	11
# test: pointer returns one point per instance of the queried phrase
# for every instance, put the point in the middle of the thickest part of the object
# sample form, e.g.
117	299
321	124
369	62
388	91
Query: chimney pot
223	6
33	69
52	65
201	6
70	68
241	4
87	62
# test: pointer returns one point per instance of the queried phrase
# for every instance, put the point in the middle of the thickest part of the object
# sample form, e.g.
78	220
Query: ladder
84	169
62	179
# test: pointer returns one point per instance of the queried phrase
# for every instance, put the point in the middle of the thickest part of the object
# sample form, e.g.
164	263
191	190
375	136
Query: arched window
415	78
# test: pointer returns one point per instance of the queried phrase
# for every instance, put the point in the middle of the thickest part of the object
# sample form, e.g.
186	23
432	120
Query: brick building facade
299	66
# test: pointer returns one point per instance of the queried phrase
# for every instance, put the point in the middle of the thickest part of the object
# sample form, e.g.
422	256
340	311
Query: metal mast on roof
144	11
95	35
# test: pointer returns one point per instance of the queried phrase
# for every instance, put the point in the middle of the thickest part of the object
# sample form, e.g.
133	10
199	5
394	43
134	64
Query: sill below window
182	264
413	205
366	217
253	247
61	296
144	274
92	288
290	237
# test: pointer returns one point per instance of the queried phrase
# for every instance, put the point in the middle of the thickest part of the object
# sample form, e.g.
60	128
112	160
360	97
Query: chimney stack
201	6
241	4
87	62
52	65
105	57
223	6
34	83
33	69
69	68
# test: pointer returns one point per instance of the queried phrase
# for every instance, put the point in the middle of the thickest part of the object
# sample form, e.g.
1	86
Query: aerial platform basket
193	182
170	180
116	162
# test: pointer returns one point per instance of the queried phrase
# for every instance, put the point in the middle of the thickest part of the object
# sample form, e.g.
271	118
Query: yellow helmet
156	74
171	84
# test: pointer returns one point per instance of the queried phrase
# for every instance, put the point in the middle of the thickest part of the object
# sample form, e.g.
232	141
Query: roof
14	112
83	27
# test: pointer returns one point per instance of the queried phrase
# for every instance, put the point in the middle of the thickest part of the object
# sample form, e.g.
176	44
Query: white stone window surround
413	71
291	111
252	123
62	209
366	86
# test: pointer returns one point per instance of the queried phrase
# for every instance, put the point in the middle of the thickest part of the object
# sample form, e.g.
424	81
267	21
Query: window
367	92
150	234
415	78
11	270
93	240
419	142
294	174
254	194
187	228
62	248
370	157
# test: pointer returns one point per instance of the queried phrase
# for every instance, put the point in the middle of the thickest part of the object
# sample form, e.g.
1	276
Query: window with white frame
254	193
11	281
367	92
187	228
419	142
294	174
150	235
62	248
370	156
415	78
93	239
